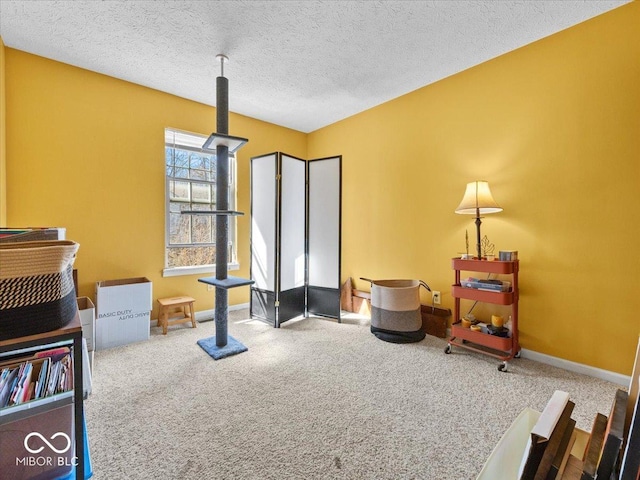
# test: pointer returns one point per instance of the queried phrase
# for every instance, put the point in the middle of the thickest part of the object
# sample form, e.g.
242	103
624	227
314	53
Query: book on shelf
489	285
44	374
9	385
22	387
42	377
53	353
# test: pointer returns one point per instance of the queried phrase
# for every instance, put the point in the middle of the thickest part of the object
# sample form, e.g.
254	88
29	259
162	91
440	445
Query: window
191	185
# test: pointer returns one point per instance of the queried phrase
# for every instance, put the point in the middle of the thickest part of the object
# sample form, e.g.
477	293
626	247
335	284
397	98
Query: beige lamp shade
478	197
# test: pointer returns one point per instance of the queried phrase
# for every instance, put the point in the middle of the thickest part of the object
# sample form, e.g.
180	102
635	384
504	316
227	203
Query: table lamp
478	201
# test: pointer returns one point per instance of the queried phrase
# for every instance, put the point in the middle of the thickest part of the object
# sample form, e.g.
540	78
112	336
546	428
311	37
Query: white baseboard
613	377
209	314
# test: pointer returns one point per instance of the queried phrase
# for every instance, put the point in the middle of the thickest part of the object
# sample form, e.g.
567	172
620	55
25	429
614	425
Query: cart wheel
517	355
502	367
447	349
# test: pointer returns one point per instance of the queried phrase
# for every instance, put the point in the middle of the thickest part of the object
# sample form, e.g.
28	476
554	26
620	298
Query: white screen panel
324	223
263	222
292	227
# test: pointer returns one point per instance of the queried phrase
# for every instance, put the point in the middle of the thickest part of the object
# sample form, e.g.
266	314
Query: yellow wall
3	153
86	152
555	129
552	126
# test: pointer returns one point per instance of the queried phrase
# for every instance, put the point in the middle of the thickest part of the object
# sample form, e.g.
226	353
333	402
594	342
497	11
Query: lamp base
479	242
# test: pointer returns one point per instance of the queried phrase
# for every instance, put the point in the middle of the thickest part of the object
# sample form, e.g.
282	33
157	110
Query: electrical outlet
435	296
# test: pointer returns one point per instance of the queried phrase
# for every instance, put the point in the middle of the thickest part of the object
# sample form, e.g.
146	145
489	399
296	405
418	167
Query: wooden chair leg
193	316
165	320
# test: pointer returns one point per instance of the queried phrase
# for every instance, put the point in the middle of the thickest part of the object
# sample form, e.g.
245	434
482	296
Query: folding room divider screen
295	237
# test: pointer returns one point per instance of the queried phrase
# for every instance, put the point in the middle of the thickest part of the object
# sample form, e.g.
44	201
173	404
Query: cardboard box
123	311
87	368
132	294
87	311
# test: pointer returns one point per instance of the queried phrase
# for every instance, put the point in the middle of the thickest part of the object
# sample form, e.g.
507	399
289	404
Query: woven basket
36	287
395	310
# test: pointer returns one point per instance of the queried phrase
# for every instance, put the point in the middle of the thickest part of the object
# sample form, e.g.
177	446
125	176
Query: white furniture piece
295	237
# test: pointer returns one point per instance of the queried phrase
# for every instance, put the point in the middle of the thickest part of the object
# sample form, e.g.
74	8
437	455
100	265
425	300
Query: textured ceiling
300	64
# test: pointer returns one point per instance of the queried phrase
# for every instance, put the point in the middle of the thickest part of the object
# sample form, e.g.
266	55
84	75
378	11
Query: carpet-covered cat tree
222	345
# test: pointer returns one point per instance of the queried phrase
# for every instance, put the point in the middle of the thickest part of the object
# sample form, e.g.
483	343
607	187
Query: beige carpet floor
312	400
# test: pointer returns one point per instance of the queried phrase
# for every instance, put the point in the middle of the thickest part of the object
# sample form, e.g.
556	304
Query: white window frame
193	142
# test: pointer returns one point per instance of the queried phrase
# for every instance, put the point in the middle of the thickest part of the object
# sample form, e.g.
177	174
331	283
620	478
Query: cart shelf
503	348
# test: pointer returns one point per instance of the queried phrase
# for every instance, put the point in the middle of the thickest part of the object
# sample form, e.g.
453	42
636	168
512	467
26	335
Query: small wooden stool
183	306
